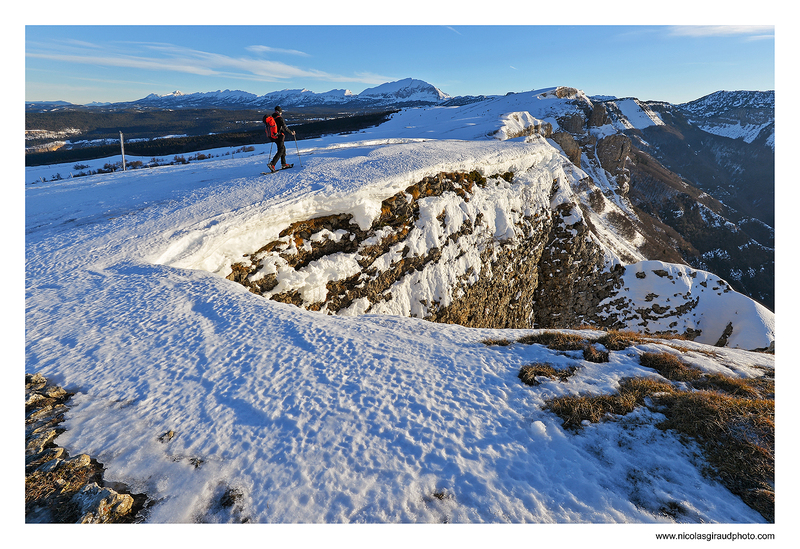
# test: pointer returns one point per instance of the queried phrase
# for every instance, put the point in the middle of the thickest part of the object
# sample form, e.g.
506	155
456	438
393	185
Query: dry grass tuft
734	423
593	354
529	373
500	342
737	436
642	387
574	410
618	340
669	366
558	341
746	388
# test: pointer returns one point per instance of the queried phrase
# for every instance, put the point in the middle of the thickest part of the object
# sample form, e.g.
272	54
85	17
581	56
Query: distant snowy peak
407	89
304	97
153	96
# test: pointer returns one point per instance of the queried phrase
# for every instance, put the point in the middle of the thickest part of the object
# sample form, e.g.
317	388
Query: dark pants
281	154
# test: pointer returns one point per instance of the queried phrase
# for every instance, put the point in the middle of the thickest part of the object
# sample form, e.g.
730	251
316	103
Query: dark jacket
282	127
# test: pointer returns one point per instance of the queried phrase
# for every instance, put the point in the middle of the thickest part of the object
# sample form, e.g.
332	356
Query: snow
637	115
317	418
747	132
679	285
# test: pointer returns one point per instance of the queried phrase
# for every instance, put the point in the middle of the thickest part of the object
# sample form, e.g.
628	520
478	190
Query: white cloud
722	30
268	49
166	57
172	58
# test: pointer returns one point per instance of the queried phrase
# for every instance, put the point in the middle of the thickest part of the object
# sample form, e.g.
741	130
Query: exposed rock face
614	153
683	223
574	278
551	275
599	116
565	92
573	124
569	146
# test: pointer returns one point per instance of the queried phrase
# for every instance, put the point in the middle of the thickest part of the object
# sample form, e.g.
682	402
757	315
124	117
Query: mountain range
406	92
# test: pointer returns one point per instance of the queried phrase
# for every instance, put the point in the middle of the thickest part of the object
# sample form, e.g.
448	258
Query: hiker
276	133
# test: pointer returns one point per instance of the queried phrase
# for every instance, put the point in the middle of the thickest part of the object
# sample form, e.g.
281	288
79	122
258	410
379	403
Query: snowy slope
317	418
709	304
635	114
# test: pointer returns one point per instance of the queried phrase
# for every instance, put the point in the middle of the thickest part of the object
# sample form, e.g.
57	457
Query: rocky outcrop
574	279
614	153
552	274
599	116
574	123
60	488
563	92
569	146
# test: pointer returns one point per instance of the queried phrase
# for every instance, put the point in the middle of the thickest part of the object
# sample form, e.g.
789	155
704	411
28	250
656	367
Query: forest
194	130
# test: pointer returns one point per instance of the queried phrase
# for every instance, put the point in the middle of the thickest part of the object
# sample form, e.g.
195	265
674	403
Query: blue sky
101	63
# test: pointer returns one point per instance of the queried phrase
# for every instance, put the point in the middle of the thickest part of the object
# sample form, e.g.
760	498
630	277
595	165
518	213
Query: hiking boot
285	166
271	167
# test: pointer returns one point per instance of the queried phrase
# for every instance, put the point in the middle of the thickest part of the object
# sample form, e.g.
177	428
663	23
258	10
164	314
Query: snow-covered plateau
359	418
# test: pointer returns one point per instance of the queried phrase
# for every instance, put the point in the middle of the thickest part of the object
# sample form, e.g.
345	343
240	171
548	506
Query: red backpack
272	127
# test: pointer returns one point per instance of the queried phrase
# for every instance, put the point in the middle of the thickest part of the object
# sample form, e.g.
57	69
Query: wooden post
122	147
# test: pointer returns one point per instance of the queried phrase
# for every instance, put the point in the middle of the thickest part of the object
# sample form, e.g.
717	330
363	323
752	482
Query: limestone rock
59	488
613	153
599	116
101	505
569	146
572	123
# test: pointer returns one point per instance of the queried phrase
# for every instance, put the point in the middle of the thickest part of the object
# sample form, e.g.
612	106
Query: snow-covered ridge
742	115
315	418
678	297
721	102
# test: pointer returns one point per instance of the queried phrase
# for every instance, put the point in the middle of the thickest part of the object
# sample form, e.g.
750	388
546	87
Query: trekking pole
298	150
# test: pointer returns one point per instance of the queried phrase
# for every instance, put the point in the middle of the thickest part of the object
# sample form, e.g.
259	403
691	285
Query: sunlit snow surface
316	418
